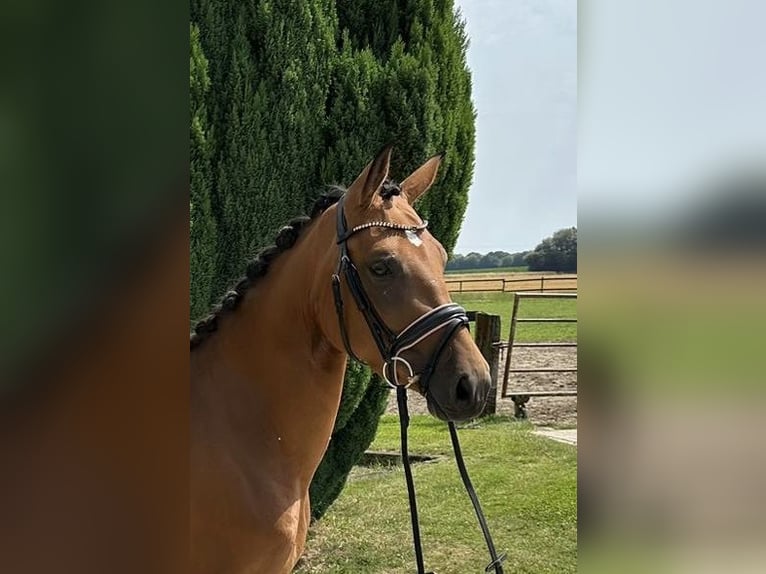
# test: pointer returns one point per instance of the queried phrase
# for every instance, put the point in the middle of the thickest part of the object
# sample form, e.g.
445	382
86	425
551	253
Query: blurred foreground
672	249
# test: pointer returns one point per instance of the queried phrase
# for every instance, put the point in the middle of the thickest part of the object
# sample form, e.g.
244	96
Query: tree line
555	253
288	97
490	260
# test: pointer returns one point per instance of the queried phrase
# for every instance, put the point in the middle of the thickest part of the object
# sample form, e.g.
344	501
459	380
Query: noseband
448	318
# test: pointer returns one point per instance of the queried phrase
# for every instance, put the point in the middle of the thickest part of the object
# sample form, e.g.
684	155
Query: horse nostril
463	392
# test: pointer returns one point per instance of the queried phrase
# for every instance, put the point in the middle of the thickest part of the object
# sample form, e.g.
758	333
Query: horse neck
269	378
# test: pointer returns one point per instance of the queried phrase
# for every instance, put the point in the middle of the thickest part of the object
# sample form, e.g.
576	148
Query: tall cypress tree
304	93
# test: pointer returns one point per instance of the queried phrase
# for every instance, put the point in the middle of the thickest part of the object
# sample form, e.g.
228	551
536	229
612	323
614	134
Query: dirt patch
558	411
380	458
375	464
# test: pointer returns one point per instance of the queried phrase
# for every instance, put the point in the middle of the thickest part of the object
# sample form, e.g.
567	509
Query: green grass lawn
527	486
502	304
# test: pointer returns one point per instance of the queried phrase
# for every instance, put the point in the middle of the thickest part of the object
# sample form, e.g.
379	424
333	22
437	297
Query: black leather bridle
447	319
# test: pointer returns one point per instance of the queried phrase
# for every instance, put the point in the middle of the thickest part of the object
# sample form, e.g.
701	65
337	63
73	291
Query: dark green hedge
289	96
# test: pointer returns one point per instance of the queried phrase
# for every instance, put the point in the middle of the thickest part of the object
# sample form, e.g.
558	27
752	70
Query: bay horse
267	366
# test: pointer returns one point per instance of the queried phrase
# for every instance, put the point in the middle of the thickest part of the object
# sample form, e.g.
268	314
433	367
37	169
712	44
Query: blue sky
523	58
671	97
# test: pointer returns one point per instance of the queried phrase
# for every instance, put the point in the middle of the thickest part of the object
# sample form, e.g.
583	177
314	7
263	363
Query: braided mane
286	238
257	268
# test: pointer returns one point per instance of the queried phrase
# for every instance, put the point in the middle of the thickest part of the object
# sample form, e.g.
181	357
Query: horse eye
380	269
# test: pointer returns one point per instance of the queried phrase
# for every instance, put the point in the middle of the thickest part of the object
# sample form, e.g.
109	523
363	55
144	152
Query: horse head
403	323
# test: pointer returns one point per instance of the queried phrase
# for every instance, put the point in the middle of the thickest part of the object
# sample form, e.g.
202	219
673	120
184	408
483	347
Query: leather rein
447	319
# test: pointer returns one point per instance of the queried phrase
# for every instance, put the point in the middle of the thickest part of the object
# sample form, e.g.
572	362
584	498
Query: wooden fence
521	397
487	329
487	336
505	285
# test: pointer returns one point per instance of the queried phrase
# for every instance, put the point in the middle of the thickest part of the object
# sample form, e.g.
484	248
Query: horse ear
372	177
422	178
